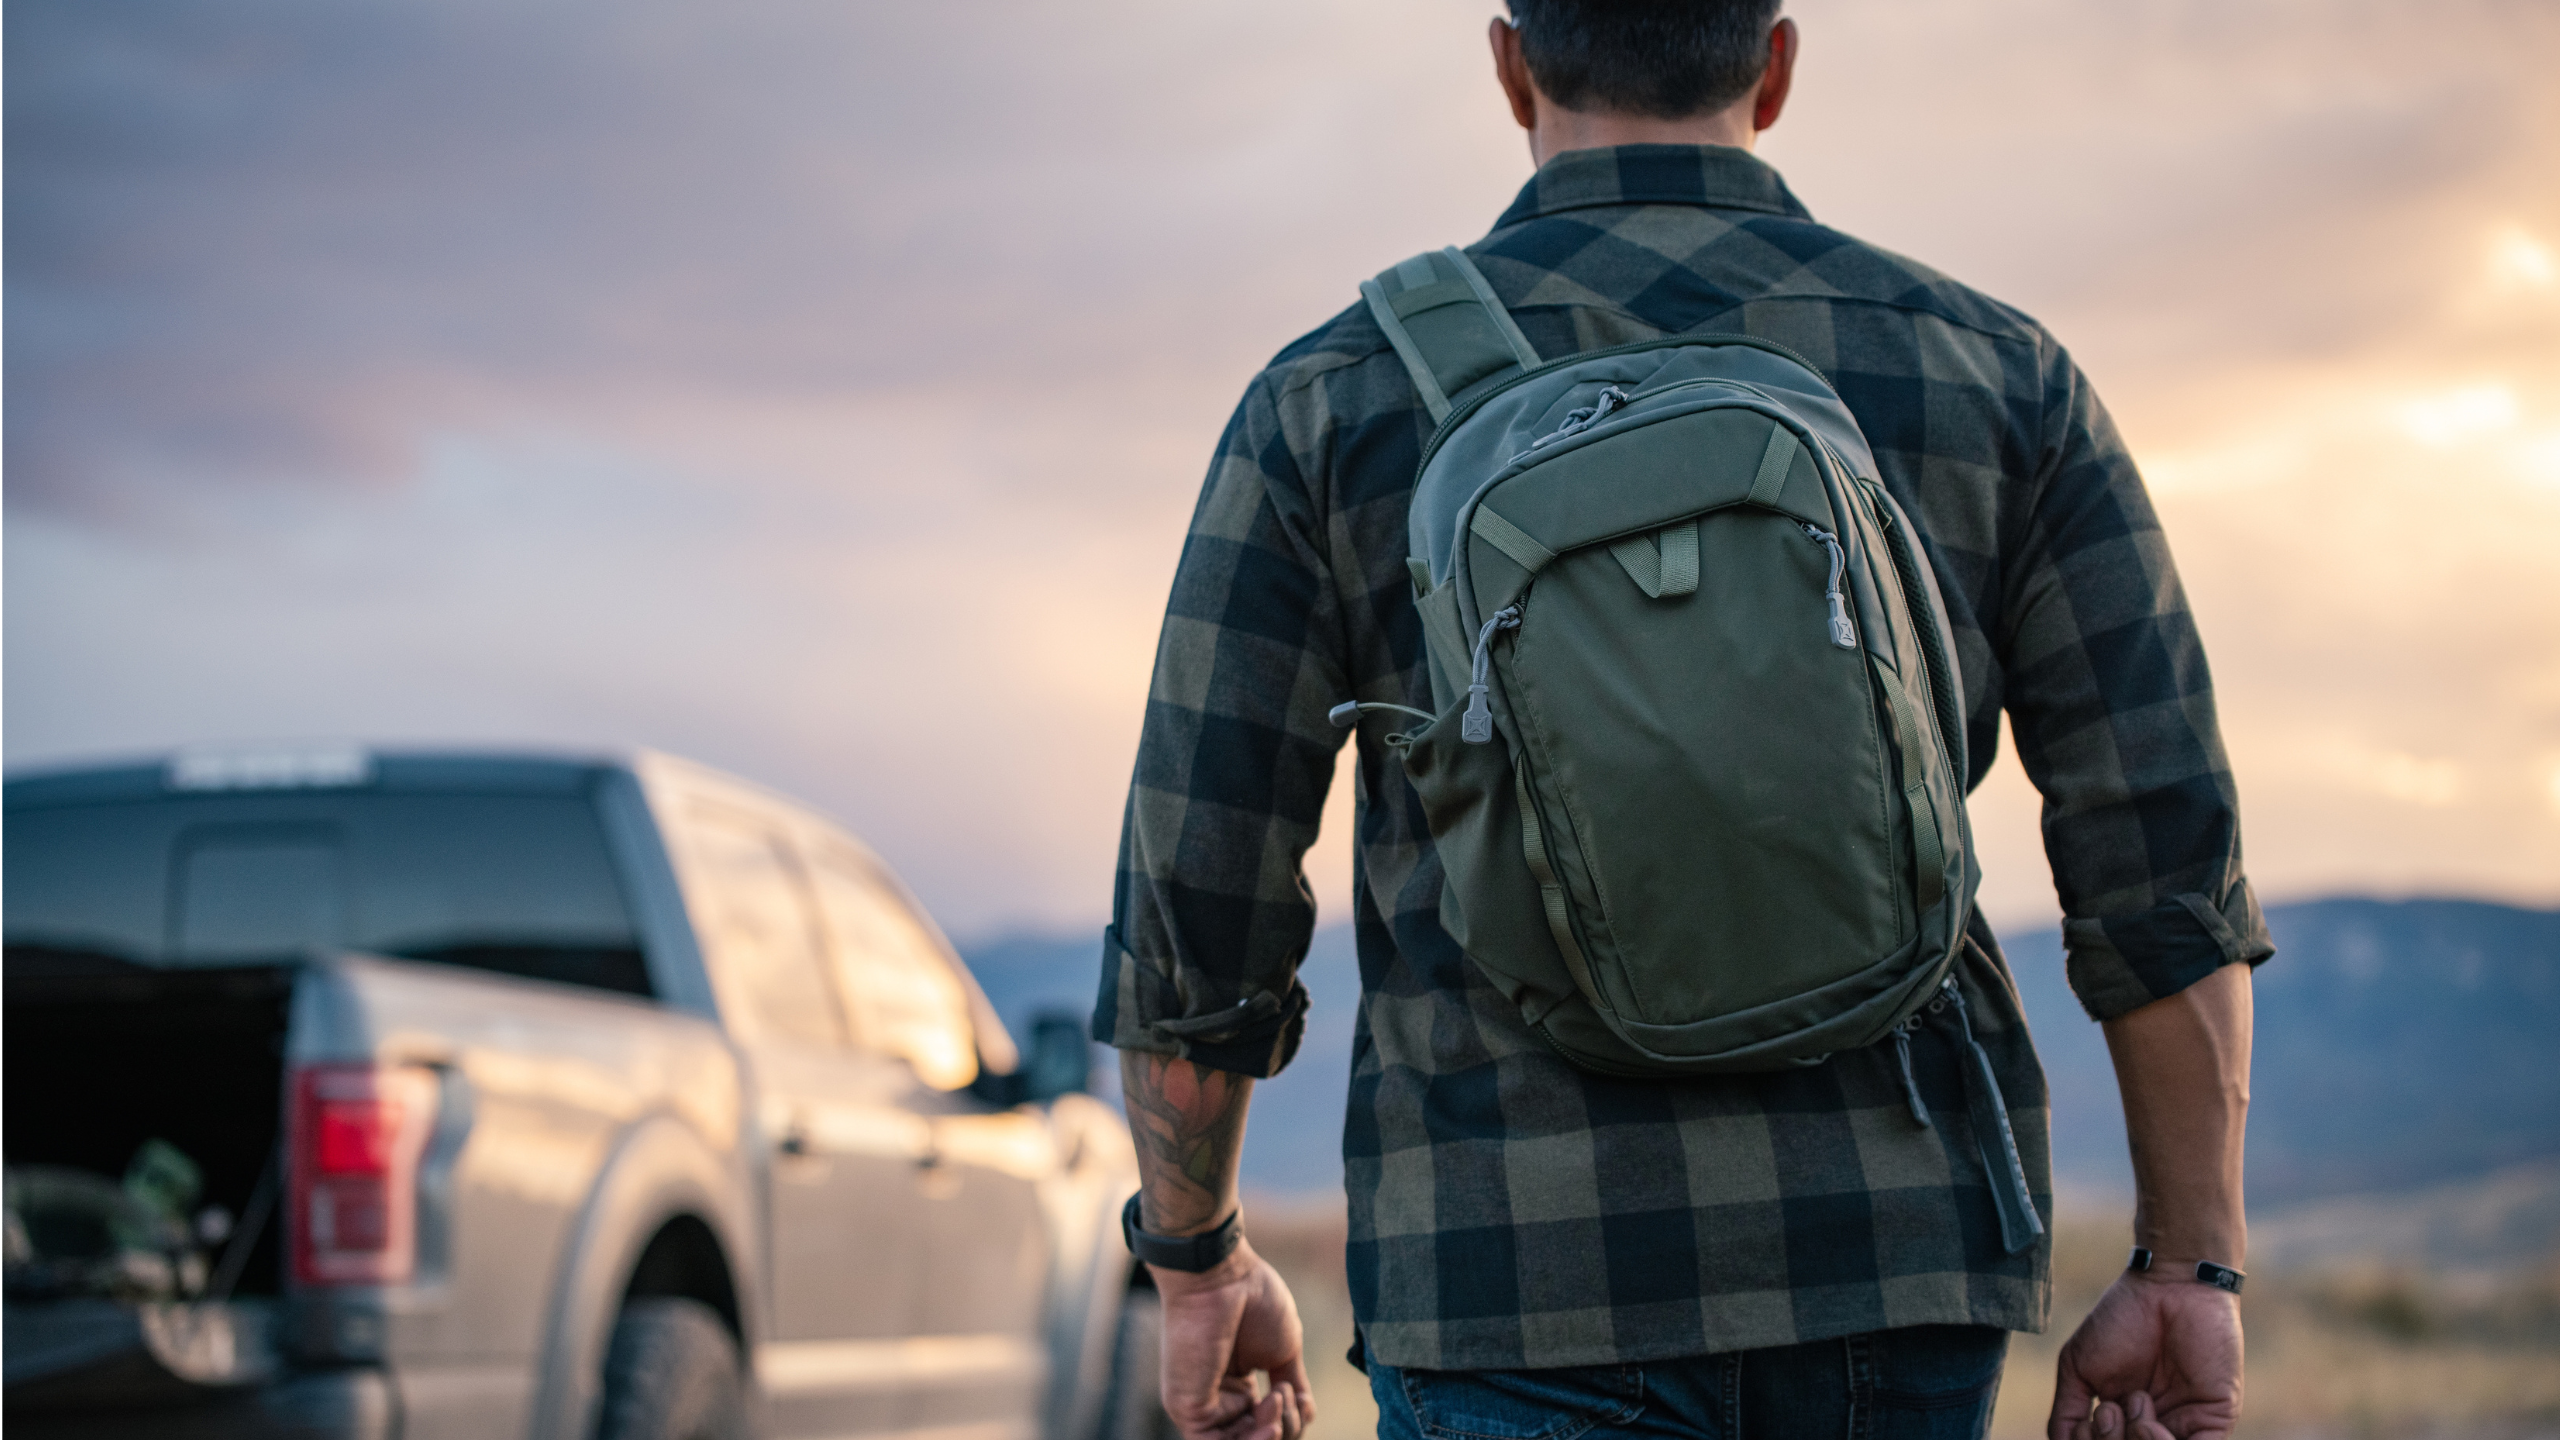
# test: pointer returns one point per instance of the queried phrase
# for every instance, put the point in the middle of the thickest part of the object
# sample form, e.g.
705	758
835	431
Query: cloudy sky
820	389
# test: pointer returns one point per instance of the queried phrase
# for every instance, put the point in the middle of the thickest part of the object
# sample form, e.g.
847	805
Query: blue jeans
1921	1383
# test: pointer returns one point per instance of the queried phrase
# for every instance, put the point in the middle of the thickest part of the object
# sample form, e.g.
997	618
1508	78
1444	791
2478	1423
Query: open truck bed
103	1059
391	1096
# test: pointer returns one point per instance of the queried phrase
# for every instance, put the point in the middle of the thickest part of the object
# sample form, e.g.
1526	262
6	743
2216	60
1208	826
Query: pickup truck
517	1095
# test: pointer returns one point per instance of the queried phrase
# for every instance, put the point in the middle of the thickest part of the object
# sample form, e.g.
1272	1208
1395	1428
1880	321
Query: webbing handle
1663	564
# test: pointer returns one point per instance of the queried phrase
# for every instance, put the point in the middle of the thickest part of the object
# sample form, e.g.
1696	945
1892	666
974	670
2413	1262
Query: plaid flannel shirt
1508	1210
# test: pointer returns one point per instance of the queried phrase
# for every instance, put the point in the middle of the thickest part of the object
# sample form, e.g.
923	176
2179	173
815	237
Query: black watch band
2220	1277
1188	1253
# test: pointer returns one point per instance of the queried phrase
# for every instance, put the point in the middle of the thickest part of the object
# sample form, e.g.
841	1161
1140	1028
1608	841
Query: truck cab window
905	1000
518	884
247	893
755	920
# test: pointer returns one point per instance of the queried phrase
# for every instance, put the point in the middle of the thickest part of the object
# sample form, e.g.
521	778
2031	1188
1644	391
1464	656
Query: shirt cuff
2121	963
1140	1008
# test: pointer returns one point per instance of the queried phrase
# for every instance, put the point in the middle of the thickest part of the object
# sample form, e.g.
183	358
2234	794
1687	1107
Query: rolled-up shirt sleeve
1211	914
2112	707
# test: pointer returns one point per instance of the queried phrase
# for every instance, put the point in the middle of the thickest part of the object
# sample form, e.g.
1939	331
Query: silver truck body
894	1253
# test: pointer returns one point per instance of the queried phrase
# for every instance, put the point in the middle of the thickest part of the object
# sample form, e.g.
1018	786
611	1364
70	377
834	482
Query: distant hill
2485	1226
2400	1044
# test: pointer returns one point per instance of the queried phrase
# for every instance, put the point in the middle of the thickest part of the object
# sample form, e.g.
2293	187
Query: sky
820	390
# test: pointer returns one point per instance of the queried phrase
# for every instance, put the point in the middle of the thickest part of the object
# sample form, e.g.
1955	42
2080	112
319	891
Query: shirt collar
1721	177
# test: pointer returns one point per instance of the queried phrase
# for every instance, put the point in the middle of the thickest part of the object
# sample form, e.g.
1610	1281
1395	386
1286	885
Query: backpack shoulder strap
1446	325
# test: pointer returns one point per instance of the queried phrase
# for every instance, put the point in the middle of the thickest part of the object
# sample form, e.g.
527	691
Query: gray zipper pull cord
1910	1083
1347	714
1477	727
1577	421
2019	1224
1843	634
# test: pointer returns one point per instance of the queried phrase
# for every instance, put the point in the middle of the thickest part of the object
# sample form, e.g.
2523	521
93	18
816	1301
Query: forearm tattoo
1188	1120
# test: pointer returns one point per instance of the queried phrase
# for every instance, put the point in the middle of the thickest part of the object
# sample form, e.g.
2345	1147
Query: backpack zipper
1577	421
1458	415
1843	634
1933	665
1476	728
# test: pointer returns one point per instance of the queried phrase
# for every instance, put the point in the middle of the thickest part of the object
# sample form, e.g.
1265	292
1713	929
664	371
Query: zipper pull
1476	728
1910	1082
1843	633
1577	421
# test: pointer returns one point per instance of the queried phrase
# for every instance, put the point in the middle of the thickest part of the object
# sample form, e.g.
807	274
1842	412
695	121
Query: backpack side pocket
1470	800
1444	645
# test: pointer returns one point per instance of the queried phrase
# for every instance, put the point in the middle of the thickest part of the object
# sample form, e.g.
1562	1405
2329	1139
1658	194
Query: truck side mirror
1061	1058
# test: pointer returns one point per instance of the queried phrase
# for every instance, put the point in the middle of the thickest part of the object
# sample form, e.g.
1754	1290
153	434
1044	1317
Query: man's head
1583	73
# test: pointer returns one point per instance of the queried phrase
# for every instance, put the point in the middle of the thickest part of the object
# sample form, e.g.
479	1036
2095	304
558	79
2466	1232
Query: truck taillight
357	1133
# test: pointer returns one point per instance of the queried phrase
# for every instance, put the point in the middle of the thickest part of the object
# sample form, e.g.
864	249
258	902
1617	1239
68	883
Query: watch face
1192	1253
2220	1277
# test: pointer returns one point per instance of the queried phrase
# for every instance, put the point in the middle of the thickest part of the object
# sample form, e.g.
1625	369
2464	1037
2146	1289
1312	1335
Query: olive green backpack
1696	775
1697	772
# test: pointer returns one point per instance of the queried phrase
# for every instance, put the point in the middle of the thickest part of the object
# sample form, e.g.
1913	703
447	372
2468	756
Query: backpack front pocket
1712	772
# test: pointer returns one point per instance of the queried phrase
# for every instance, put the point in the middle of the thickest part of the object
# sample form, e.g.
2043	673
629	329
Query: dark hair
1663	58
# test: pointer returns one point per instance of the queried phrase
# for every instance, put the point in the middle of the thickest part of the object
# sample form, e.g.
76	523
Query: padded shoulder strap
1446	325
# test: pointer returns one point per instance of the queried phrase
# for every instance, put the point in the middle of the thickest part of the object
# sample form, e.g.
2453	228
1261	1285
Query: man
1536	1249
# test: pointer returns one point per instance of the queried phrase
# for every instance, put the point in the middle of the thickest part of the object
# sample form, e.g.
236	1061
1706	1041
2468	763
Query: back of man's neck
1559	130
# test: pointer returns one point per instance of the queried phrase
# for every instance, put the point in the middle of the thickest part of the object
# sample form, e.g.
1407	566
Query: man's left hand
2158	1359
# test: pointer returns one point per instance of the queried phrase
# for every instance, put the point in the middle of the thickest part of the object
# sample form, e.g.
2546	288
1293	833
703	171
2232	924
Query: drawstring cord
2019	1223
1348	713
1989	1111
1476	727
1910	1084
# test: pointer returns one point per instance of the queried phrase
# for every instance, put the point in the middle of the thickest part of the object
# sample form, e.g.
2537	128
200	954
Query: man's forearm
2183	1066
1188	1121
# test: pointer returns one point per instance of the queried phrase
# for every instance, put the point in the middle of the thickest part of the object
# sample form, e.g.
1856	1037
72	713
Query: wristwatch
2220	1277
1189	1253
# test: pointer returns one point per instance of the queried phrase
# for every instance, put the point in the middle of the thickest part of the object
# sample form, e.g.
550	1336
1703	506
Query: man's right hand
1220	1327
1235	1318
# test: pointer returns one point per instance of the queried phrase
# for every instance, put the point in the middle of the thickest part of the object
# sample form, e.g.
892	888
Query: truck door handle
936	1177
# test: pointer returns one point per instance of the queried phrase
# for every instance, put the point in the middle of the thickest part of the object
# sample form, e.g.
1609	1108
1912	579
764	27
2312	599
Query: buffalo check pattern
1507	1209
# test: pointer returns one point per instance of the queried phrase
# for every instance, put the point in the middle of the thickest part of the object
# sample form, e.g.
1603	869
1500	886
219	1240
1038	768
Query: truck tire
671	1373
1134	1409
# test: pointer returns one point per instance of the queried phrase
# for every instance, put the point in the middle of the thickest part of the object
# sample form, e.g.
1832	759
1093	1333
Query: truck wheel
1135	1408
671	1373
